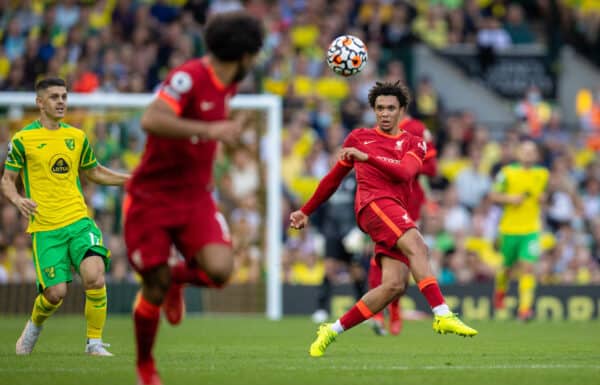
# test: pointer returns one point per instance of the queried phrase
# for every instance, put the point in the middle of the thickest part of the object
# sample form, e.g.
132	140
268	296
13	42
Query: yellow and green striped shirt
49	162
514	179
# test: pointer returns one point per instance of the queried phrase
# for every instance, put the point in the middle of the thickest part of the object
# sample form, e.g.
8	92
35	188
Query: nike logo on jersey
206	106
368	142
41	145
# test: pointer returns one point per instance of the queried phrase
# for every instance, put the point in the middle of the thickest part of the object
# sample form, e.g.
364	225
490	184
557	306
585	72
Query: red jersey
417	128
414	126
182	167
392	164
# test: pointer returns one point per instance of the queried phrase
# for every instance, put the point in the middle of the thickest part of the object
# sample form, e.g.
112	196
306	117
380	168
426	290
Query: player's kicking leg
394	283
374	280
411	244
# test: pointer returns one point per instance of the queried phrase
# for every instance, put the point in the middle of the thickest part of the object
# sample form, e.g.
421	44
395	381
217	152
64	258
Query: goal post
271	105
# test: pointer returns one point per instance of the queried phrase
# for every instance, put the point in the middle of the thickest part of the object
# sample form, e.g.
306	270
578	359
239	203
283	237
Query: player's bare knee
217	262
92	272
55	294
417	249
220	274
394	288
398	289
94	281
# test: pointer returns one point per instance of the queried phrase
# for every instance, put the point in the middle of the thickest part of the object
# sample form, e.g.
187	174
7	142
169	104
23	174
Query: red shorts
385	220
151	229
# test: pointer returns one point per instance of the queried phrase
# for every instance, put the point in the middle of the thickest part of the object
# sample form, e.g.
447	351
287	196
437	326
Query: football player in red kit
429	168
386	161
170	191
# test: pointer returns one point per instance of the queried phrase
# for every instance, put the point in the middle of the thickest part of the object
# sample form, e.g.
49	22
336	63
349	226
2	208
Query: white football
347	55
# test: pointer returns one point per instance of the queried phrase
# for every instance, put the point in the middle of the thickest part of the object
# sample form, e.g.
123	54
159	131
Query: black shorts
334	248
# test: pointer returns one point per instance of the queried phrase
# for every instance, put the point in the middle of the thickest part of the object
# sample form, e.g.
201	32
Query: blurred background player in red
170	191
418	199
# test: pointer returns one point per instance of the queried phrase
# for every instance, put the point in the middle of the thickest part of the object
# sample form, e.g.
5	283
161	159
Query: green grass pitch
252	350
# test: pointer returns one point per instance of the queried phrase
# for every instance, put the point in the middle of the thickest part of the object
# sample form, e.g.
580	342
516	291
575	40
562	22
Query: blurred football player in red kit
170	192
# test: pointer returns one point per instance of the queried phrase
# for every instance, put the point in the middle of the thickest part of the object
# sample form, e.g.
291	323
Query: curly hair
397	89
231	35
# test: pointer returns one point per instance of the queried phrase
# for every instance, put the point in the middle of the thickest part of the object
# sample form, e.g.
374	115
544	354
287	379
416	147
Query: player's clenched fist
353	154
298	220
227	131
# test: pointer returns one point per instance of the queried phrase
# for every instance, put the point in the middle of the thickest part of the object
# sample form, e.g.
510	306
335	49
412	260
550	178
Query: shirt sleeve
177	88
350	141
398	170
88	158
15	159
326	187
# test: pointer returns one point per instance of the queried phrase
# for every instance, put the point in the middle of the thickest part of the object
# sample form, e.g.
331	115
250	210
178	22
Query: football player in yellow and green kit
520	188
48	155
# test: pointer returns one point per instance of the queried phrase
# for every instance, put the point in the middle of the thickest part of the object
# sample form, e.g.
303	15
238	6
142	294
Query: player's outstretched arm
160	119
26	206
506	199
328	185
106	176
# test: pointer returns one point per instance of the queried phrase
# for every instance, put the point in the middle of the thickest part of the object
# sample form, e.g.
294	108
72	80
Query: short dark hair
46	83
397	89
231	35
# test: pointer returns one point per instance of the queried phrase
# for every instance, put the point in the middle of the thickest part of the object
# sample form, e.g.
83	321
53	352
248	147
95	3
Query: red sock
431	291
145	318
182	273
394	309
356	315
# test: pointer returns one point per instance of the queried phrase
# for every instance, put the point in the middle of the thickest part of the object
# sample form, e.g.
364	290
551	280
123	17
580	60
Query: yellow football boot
450	323
325	336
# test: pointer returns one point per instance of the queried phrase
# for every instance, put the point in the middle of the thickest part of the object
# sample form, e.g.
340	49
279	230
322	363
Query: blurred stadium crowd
128	46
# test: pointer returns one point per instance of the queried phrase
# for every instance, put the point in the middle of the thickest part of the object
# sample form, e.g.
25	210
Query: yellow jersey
514	179
49	163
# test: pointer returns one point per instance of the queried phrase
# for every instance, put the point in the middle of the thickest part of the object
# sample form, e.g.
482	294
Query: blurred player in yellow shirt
520	188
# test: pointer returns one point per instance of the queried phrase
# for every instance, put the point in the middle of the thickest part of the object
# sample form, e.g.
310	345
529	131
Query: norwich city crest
70	144
50	273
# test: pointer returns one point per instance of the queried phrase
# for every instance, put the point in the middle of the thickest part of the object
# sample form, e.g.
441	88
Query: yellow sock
42	309
502	280
95	312
526	292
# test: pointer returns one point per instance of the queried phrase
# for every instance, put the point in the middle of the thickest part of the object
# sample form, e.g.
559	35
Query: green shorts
524	247
56	251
